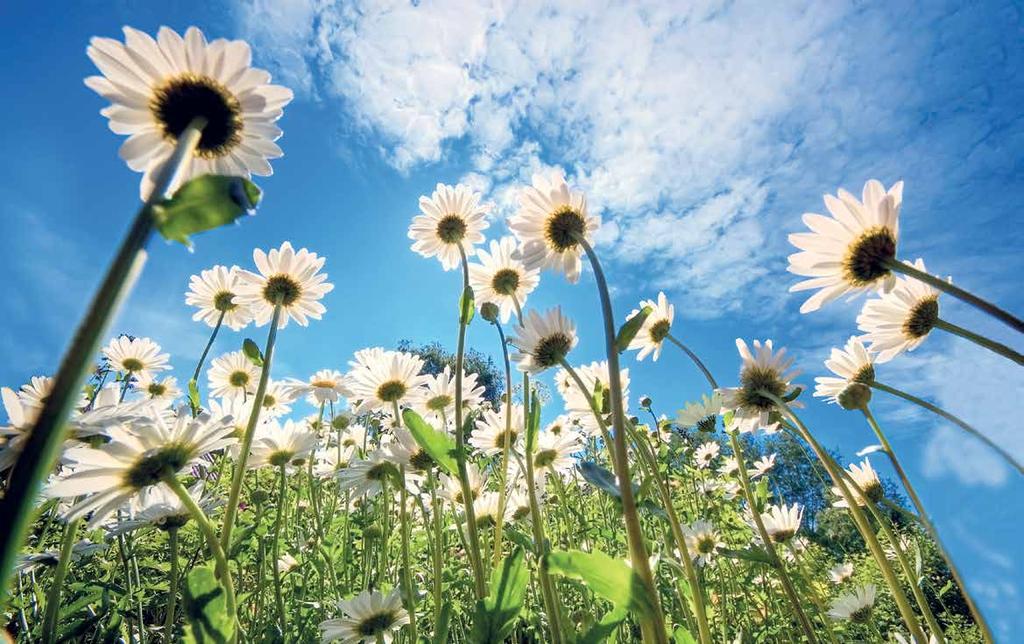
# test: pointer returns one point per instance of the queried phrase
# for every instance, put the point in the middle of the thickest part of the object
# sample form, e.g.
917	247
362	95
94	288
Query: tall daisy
329	460
278	445
655	328
451	217
369	616
556	452
135	355
866	479
159	507
501	277
33	394
214	293
277	399
435	400
782	521
855	606
137	457
703	541
286	277
706	454
233	375
761	466
701	415
451	487
490	433
543	340
762	370
549	222
595	377
849	252
840	572
405	451
163	390
365	477
386	379
486	509
156	88
901	319
852	364
324	386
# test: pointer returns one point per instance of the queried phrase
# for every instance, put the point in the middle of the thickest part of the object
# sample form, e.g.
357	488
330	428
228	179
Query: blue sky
700	132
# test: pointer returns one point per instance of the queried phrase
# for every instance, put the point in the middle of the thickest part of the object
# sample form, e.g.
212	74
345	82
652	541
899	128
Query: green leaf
202	204
534	424
467	305
683	636
205	605
632	326
444	619
252	351
193	394
609	578
602	630
600	478
496	614
439	445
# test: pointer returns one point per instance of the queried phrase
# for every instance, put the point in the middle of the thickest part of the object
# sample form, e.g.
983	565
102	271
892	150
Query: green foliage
610	578
206	618
202	204
496	614
630	328
252	352
440	445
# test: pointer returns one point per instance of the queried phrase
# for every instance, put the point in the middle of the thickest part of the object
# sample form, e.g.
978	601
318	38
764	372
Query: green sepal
467	305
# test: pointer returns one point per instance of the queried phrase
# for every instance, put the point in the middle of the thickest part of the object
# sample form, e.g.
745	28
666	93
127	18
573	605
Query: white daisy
135	355
354	436
866	479
900	638
543	341
214	292
157	87
901	319
159	507
485	509
703	541
165	390
286	277
782	521
329	460
840	572
34	393
136	457
849	252
233	375
489	435
235	410
278	445
435	400
13	435
369	616
855	606
761	466
549	219
853	364
706	454
452	216
765	371
405	451
556	452
501	278
324	386
576	402
655	328
387	378
562	424
701	415
277	399
364	477
729	467
451	488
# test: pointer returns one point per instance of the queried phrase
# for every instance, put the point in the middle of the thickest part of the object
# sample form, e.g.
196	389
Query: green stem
505	448
980	340
172	582
57	584
209	344
410	600
231	510
654	626
601	425
39	454
436	519
946	287
925	520
938	411
696	360
282	617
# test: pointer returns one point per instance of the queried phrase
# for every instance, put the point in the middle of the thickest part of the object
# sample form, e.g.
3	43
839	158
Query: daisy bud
645	402
489	311
856	395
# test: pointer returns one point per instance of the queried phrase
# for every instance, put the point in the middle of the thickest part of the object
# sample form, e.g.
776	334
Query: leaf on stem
534	424
206	614
467	305
202	204
252	351
496	614
439	445
608	577
631	327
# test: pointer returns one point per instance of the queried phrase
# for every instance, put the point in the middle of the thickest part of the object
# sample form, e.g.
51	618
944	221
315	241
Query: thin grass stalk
172	579
39	454
209	344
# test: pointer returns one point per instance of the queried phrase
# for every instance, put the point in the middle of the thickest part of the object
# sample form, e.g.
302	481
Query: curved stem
654	626
951	418
172	580
275	565
250	431
52	609
946	287
209	343
505	448
980	340
601	425
696	360
40	451
925	520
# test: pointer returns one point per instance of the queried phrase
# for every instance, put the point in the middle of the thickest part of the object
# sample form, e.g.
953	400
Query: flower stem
410	600
654	625
436	519
925	520
57	584
589	396
946	287
209	344
951	418
40	451
479	583
275	566
980	340
172	583
231	510
696	360
505	448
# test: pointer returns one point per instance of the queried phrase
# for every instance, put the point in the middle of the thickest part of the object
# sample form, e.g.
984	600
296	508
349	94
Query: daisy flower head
277	399
370	616
486	509
543	340
762	466
701	415
365	477
135	355
329	460
451	487
405	451
354	436
782	521
159	507
452	217
595	377
562	424
866	479
849	252
138	456
324	386
164	390
157	87
20	420
287	278
280	445
729	467
233	375
549	223
703	541
556	452
855	368
651	336
385	379
33	394
855	606
706	454
490	433
901	319
501	278
214	292
762	370
435	400
841	572
235	410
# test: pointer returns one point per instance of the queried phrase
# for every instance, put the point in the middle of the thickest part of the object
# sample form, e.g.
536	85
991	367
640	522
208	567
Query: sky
700	132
